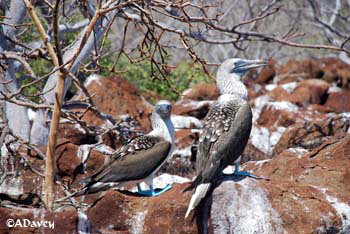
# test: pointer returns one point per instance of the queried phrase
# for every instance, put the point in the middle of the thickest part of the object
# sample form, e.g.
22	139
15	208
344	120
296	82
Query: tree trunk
17	116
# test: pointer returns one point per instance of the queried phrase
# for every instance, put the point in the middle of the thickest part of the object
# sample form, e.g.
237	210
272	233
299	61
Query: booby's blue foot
151	192
237	172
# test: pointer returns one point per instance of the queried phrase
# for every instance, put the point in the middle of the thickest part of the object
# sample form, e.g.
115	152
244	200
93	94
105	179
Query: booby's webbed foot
237	172
151	192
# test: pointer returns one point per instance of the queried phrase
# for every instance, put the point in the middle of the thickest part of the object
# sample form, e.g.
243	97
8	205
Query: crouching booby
226	128
140	159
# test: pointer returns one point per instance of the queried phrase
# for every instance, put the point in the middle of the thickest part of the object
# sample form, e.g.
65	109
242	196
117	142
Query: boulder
116	212
198	109
298	70
76	134
335	70
344	77
306	92
311	133
115	96
311	91
68	163
203	91
276	114
338	101
252	153
279	93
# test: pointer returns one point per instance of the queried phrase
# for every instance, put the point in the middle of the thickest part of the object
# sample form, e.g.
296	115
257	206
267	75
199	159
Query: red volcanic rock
202	91
281	124
339	101
344	77
70	160
152	96
70	163
310	134
254	90
303	185
64	221
118	213
311	91
198	109
251	153
111	214
184	138
299	70
279	94
116	96
268	72
166	213
67	161
335	70
271	117
75	134
311	186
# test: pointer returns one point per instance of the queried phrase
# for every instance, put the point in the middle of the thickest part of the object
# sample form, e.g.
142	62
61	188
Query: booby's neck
162	128
228	99
231	83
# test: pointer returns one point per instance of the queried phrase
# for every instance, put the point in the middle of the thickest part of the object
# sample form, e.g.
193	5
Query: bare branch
18	57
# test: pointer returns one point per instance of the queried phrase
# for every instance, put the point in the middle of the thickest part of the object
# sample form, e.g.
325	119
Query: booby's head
231	72
238	66
163	109
161	122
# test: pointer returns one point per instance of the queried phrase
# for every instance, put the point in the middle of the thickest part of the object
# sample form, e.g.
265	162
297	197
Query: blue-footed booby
226	128
138	160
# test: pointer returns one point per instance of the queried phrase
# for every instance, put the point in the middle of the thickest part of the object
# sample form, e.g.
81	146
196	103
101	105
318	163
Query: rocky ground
300	144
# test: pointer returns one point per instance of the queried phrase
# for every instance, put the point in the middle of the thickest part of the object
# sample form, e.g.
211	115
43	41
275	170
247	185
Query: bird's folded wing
216	123
136	161
225	134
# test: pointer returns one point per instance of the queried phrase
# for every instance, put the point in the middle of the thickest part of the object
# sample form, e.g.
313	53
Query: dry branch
49	164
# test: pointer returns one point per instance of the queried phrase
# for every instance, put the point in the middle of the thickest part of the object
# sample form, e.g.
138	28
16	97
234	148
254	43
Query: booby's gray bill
226	128
140	159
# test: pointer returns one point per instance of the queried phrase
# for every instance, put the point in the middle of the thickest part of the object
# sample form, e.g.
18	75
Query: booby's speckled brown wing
217	121
136	144
134	161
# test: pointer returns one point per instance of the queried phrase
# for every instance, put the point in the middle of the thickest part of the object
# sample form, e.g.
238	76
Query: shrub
182	77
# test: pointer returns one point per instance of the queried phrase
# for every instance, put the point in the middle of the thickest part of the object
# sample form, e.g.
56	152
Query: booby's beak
248	64
241	66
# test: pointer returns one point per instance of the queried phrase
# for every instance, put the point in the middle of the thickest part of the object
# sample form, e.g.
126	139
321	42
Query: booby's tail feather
88	189
199	193
194	184
95	187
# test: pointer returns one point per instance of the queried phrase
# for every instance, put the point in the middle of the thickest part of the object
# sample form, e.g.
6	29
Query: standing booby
140	159
226	128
